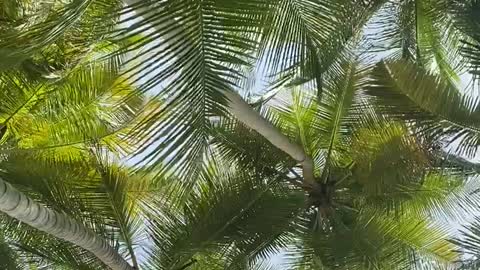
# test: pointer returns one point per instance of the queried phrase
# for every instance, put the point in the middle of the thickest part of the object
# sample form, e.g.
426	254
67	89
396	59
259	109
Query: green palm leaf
46	23
405	92
195	63
373	241
420	31
465	18
210	221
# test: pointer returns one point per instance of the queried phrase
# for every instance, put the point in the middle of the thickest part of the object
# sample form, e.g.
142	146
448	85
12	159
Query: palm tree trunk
17	205
251	118
247	115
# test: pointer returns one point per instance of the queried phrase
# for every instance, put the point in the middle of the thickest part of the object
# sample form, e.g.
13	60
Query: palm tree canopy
371	93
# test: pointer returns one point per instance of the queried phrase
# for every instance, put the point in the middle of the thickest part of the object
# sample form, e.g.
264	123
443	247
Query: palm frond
41	250
234	143
465	18
123	209
373	241
394	30
61	29
421	32
469	242
443	196
101	195
228	213
324	127
55	120
386	157
305	39
192	67
437	41
8	256
403	91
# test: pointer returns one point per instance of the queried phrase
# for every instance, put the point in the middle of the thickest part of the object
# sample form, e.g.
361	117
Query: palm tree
88	206
207	48
298	115
235	216
288	57
56	121
370	163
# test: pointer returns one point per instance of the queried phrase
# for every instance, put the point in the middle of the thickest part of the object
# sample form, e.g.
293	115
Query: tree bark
17	205
246	114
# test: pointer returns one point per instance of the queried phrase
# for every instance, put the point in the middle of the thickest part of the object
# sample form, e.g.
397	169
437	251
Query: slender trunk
251	118
246	114
17	205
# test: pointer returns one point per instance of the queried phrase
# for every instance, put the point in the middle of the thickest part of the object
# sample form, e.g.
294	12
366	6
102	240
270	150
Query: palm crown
335	157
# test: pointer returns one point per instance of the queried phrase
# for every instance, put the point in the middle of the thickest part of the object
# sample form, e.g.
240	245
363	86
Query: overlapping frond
394	170
234	214
393	30
419	31
194	46
443	196
234	143
241	206
469	243
35	248
465	16
324	127
57	119
437	108
95	192
385	158
371	240
8	256
438	43
123	209
304	40
48	36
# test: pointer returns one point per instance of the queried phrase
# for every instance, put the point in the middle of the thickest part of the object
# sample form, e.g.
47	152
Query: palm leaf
55	120
48	23
324	127
465	18
37	249
209	221
8	256
386	158
419	31
196	62
405	92
236	144
306	38
373	241
469	243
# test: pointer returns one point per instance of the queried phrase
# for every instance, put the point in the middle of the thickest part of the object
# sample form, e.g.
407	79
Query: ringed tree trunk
247	115
17	205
